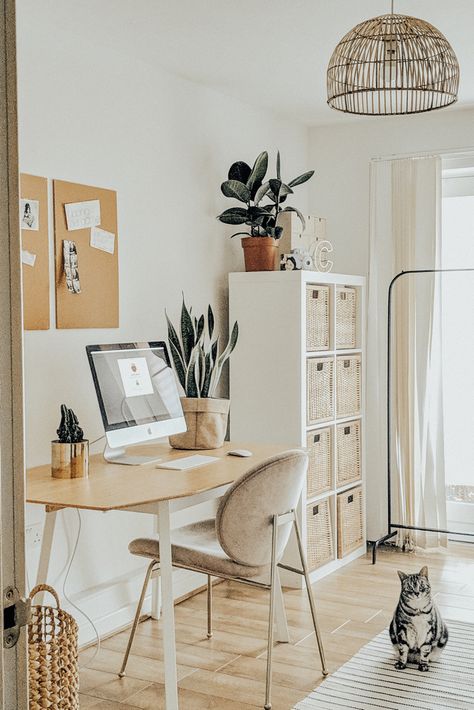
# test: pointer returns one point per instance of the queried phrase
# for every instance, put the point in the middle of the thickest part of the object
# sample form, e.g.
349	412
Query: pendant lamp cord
392	7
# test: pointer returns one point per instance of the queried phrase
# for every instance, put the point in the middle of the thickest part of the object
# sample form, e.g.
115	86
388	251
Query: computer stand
119	456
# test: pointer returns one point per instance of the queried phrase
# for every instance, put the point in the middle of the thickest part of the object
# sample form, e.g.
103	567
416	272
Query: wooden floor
228	671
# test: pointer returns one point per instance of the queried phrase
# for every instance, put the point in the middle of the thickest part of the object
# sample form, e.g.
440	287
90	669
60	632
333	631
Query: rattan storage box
317	318
348	456
348	385
319	389
319	540
346	317
320	448
350	521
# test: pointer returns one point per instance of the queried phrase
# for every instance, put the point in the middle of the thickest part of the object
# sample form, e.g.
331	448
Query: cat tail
443	639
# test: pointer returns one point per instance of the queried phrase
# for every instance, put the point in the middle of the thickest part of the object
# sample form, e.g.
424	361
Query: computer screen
137	394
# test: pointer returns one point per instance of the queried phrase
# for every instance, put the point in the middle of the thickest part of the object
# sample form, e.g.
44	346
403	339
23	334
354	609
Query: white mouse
239	452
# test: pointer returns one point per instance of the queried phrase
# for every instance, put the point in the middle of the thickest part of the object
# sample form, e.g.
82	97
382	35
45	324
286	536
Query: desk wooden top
116	486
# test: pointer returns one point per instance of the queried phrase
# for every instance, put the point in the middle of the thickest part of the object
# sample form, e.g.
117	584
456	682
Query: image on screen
135	385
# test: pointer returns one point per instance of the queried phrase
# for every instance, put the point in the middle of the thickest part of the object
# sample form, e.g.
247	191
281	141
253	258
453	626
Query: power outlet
33	535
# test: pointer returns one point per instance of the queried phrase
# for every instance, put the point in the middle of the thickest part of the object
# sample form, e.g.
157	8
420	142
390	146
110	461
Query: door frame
13	665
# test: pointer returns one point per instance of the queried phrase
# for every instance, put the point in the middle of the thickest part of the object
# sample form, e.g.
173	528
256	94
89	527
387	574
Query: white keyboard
188	462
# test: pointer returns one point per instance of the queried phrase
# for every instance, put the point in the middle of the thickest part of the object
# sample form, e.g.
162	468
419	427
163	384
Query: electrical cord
70	602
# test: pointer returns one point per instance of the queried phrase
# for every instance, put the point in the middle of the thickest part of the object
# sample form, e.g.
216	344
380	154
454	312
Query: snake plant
196	354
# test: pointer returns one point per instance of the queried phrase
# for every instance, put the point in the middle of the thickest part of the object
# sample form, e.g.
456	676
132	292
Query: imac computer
138	396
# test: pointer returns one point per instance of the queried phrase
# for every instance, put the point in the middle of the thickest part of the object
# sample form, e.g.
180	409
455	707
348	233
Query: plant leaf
210	321
261	192
285	190
173	336
237	234
301	178
217	372
278	166
199	328
275	186
259	171
300	215
187	333
178	365
235	189
239	171
192	389
234	215
207	376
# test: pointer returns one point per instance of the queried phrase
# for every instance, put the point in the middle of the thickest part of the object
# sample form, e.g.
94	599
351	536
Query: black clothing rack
392	528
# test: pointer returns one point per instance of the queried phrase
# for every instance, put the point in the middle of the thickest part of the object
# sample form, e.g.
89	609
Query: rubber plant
196	355
247	185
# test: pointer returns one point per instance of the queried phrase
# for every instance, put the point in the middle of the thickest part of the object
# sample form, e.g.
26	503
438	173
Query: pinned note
28	258
103	240
81	215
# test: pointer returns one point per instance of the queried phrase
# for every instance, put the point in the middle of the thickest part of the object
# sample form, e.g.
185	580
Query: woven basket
319	542
319	477
52	656
317	318
319	389
348	457
346	317
350	521
348	385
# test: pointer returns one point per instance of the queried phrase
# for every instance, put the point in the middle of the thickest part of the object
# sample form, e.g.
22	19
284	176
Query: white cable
71	603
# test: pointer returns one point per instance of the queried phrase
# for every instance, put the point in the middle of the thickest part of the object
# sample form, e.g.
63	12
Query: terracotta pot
260	253
70	460
206	419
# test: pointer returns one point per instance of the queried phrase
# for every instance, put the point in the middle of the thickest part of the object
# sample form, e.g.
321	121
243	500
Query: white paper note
81	215
28	258
100	239
135	376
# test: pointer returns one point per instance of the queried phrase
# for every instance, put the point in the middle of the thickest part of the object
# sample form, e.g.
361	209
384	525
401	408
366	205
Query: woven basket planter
206	421
52	656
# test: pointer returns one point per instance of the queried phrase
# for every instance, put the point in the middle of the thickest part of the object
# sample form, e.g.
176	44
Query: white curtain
405	235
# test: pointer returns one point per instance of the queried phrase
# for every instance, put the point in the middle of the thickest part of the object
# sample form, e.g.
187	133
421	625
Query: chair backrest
244	516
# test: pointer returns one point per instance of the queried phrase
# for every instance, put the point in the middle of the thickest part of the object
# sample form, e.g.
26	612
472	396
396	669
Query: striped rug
369	680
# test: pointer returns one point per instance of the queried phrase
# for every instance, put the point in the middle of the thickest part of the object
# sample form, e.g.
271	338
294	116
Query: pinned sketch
29	214
81	215
103	240
71	266
27	258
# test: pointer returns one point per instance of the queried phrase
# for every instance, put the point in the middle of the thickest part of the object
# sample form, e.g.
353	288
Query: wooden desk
145	489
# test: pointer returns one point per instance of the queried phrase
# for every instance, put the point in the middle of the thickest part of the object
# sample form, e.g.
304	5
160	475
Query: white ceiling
272	53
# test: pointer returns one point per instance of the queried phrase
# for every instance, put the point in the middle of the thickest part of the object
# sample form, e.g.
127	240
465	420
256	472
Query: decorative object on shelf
199	366
70	451
319	253
53	671
297	260
246	184
390	65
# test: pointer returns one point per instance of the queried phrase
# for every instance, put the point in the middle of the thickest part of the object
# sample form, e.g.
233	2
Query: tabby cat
417	628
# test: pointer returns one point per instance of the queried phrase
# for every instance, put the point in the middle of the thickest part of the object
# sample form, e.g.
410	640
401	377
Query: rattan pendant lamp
390	65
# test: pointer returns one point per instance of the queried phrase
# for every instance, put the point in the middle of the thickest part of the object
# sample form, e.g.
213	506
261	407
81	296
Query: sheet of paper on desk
100	239
80	215
28	258
187	462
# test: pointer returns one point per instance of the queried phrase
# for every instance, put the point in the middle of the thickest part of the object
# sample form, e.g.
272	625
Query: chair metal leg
310	597
137	617
271	615
209	606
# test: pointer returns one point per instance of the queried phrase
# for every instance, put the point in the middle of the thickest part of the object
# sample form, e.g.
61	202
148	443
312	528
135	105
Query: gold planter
206	419
70	460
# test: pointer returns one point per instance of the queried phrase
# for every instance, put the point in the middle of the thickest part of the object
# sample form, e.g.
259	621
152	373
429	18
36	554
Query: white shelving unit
268	390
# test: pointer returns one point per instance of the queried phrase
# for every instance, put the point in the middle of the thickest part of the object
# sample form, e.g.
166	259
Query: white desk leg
282	635
156	582
45	555
169	640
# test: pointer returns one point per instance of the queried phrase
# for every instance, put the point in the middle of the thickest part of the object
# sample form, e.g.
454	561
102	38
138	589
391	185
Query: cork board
35	248
97	304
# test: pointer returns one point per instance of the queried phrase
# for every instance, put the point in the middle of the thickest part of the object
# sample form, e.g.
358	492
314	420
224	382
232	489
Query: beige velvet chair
245	542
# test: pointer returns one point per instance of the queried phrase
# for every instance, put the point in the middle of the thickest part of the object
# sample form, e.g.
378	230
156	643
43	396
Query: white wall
340	192
93	115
